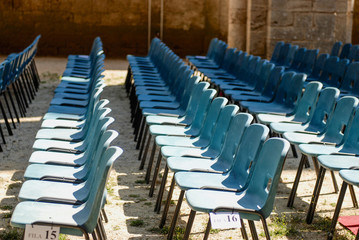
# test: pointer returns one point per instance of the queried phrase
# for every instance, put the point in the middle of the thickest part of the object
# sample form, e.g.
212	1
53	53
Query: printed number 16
233	219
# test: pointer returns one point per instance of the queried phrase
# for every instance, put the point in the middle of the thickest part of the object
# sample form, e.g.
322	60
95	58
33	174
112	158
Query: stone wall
310	23
69	26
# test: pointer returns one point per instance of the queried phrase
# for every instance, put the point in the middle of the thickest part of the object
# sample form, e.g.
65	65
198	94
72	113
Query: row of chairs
72	158
19	82
319	119
207	136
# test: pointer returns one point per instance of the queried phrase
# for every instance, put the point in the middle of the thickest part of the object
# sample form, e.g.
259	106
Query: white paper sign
225	220
38	232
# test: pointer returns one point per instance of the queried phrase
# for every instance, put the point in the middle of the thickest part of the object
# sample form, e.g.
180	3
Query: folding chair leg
189	224
6	121
155	174
128	79
12	104
140	135
18	100
143	142
168	203
265	228
2	135
139	121
294	151
161	191
143	160
102	228
104	215
208	229
150	162
9	110
175	215
335	185
337	210
252	227
243	230
296	181
352	195
315	195
316	165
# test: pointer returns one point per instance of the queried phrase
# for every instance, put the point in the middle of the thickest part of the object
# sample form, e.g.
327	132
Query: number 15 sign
38	232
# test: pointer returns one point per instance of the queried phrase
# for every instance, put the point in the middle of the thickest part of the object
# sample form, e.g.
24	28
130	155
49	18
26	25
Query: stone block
303	20
258	20
324	5
299	5
287	34
281	18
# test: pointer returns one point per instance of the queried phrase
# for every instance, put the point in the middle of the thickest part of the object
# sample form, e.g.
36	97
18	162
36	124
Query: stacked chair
19	82
72	158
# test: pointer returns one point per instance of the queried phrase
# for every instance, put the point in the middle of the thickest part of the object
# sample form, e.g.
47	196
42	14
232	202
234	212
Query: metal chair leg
168	203
161	191
6	120
155	174
143	160
296	181
315	195
352	195
143	142
265	228
252	227
140	135
189	224
175	215
335	185
337	210
243	230
150	162
208	229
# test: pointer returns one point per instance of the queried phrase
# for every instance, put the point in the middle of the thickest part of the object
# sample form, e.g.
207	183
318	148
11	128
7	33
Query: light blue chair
72	219
350	177
333	134
256	201
241	156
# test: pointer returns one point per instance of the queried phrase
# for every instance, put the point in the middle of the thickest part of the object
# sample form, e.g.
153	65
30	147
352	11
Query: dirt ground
129	208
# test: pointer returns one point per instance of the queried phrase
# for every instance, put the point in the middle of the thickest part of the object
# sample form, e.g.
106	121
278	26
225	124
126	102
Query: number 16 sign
225	220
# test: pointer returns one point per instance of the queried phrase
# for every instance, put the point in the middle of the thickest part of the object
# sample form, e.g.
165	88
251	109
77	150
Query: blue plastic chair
318	67
333	134
72	219
345	50
336	48
309	59
350	177
297	59
256	201
235	179
276	50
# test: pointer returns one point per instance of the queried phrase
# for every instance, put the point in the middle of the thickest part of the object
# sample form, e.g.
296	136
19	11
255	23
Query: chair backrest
290	56
351	79
245	156
90	213
212	115
290	89
345	50
193	102
212	45
298	58
276	50
222	126
324	108
262	78
204	104
351	138
306	103
339	120
249	74
335	49
220	51
264	180
353	53
241	59
283	53
271	85
319	65
333	71
233	137
228	59
309	59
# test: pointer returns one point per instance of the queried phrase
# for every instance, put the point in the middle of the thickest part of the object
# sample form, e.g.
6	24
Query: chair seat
177	164
197	180
58	158
30	212
338	162
61	134
208	200
172	151
156	119
38	171
350	176
273	118
36	190
171	130
46	145
299	138
282	127
181	141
